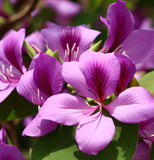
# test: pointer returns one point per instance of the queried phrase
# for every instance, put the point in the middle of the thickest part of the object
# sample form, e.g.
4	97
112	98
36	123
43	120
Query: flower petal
120	23
94	133
10	152
142	151
39	127
133	105
28	89
127	72
12	48
43	81
47	74
65	109
37	39
73	76
69	41
138	45
6	92
102	73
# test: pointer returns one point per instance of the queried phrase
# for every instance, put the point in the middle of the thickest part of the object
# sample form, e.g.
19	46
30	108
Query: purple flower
11	67
96	76
44	79
7	151
71	42
137	44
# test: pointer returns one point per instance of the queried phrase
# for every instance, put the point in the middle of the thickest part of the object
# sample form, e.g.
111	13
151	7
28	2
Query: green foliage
60	145
147	81
152	152
16	106
29	49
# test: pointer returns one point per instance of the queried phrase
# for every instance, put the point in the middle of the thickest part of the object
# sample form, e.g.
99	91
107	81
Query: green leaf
30	50
15	106
96	47
60	145
147	81
54	54
94	4
152	152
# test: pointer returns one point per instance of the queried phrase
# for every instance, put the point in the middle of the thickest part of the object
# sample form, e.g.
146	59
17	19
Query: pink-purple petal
10	152
12	48
71	42
65	109
127	72
6	92
47	74
28	89
134	105
102	73
120	23
73	76
139	45
94	133
39	127
37	39
142	151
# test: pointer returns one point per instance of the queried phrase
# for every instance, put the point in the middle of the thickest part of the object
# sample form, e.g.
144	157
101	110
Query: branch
14	19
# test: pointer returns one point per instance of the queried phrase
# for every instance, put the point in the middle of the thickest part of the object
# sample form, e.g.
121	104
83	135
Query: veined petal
102	73
127	72
94	133
12	48
65	109
39	127
138	45
69	41
134	105
6	92
47	74
28	89
120	23
73	76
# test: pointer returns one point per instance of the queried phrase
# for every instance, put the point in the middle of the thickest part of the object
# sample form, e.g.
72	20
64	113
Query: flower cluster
75	84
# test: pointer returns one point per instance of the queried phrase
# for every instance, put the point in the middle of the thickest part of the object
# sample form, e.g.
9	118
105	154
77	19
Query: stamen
73	47
3	68
7	71
1	74
77	52
68	49
38	94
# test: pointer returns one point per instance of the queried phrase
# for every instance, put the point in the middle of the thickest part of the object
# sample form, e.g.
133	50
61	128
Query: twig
14	19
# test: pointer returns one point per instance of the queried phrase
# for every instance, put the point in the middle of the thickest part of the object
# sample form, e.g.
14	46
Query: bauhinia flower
11	66
96	76
44	79
8	152
71	42
137	44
